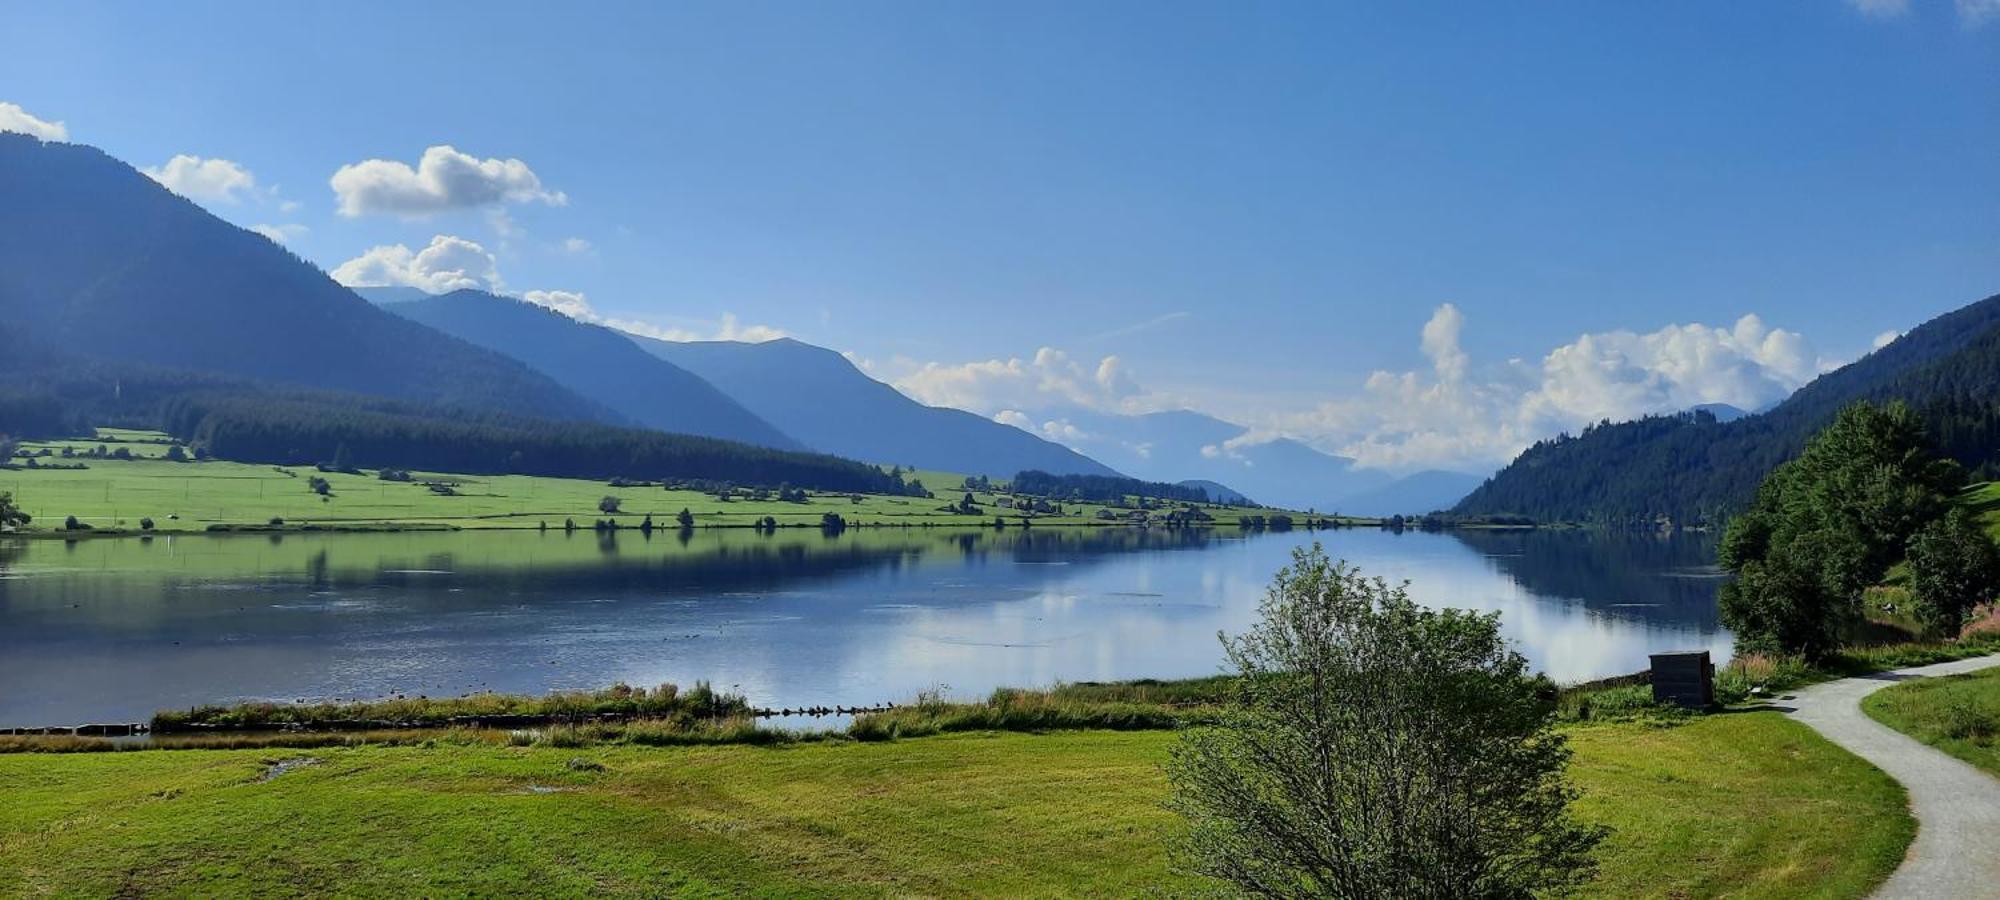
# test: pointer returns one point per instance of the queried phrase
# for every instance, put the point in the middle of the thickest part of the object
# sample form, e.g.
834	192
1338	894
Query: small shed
1685	679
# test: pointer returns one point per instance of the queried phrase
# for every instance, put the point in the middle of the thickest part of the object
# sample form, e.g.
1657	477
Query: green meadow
1959	714
192	496
1744	804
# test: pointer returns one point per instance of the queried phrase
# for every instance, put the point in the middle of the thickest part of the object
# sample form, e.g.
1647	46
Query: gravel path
1957	806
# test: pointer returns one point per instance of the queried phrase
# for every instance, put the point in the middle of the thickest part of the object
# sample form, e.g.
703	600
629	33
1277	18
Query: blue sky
1253	207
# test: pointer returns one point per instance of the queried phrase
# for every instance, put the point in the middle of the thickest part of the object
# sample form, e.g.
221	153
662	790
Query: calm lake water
114	629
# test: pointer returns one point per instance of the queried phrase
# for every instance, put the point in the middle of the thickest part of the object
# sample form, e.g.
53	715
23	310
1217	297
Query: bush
1827	525
1965	720
12	516
1352	701
1953	569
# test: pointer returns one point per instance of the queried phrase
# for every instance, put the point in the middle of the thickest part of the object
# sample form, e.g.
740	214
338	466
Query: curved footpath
1957	850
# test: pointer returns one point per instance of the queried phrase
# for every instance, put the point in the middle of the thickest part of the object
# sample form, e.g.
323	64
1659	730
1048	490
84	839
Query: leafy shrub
1965	720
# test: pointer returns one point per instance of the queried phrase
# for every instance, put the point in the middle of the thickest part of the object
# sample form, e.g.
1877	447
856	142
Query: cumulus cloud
206	180
577	306
1050	378
577	246
14	118
448	264
1449	417
444	179
730	328
453	263
280	234
570	303
1060	430
1452	413
1884	339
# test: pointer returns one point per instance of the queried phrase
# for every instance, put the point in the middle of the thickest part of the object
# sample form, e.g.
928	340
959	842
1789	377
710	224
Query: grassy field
1742	804
190	496
1959	714
1984	500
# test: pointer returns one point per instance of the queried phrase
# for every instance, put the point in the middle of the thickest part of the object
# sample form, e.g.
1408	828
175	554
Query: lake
114	629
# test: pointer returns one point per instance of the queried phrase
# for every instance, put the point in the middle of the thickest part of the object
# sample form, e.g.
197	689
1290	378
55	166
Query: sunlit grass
1959	714
1748	805
191	496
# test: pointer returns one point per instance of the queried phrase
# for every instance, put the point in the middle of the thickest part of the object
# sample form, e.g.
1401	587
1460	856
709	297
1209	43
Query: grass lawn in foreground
1959	714
1745	804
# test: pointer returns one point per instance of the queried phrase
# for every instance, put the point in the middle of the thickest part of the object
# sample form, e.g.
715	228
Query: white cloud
1884	339
448	264
577	306
577	246
454	263
570	303
728	329
1061	431
1050	378
1451	414
1975	13
444	179
1449	418
280	234
14	118
206	180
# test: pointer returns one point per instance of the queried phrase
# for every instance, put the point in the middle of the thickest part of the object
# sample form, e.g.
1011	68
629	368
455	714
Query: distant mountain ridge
1278	471
596	362
1694	466
1418	493
98	261
1218	492
818	397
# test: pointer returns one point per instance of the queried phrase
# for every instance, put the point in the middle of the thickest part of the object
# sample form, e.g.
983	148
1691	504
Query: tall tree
1828	524
1953	569
12	516
1378	749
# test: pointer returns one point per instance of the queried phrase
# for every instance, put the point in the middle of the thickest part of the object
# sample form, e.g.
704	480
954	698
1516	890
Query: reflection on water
114	629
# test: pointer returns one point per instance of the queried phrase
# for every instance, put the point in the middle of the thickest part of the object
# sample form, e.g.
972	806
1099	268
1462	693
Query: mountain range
99	262
102	267
1281	471
595	362
1696	466
113	286
820	398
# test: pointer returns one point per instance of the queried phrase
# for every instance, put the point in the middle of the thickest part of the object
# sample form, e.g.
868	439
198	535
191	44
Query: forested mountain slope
98	261
1692	467
818	397
596	362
